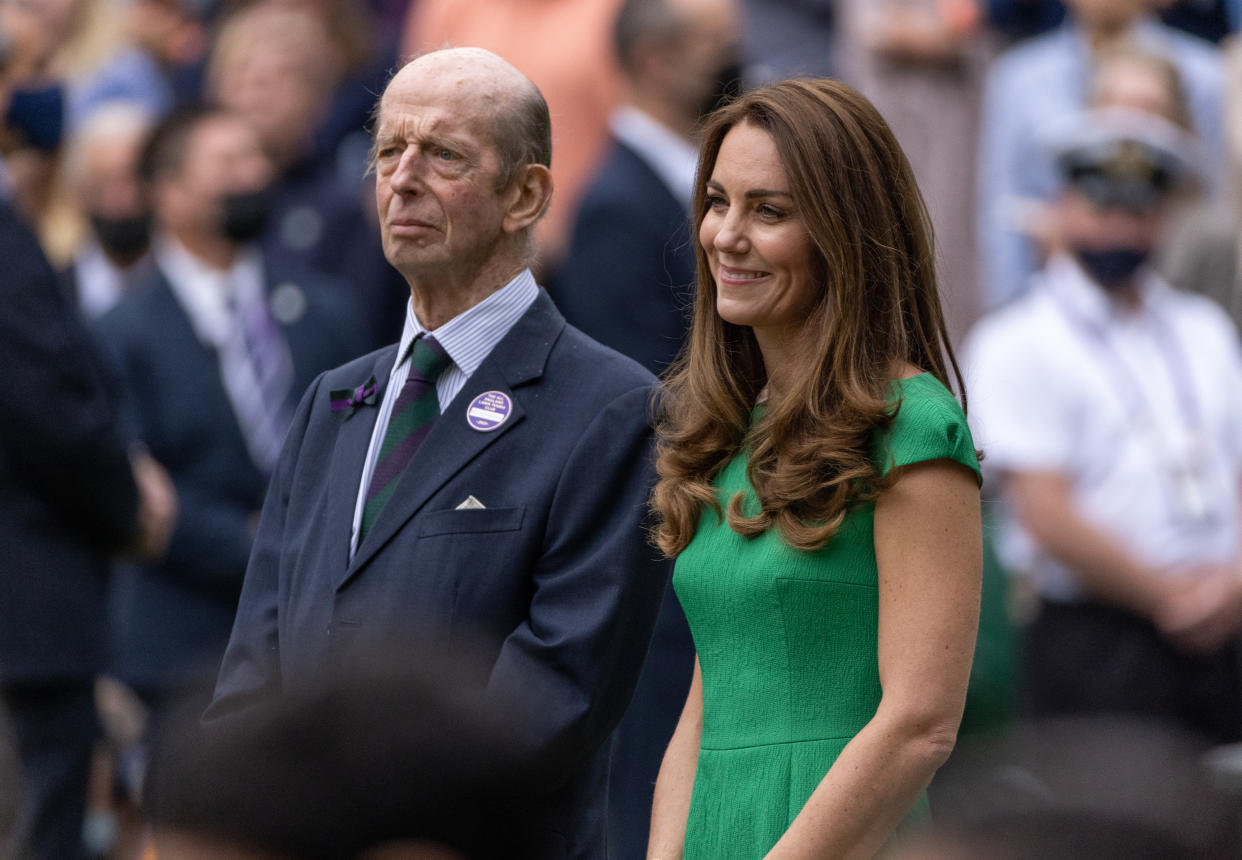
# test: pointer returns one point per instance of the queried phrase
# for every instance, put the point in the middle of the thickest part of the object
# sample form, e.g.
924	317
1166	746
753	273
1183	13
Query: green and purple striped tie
417	407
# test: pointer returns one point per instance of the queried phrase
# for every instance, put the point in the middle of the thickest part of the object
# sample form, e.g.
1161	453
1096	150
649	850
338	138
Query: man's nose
407	177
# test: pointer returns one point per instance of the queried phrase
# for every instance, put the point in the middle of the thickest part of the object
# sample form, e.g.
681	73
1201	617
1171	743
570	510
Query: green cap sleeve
930	425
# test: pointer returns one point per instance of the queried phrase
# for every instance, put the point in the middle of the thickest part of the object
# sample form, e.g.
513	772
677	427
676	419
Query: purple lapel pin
344	401
489	410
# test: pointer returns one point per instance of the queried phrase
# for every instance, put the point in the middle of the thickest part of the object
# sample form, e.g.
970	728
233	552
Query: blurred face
709	45
1083	224
222	157
436	169
756	244
273	88
1128	83
108	183
1107	14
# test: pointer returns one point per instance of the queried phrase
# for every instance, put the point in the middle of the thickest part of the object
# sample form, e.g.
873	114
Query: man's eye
387	152
447	155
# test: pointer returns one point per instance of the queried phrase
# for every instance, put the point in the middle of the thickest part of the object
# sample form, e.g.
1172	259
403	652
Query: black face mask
1112	268
123	239
245	214
728	86
37	115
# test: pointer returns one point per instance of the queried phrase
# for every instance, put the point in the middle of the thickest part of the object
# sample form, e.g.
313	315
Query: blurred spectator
1107	403
213	352
154	59
277	65
564	46
101	169
1208	19
408	762
1202	253
628	283
72	494
1128	77
367	36
788	39
1037	85
921	62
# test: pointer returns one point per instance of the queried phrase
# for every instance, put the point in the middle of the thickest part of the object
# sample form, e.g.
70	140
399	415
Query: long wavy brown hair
813	451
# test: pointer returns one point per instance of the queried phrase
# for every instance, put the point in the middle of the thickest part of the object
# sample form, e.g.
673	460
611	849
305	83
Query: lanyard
1123	376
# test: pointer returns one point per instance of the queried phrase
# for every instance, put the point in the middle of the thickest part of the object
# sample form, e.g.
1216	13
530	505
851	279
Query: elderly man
482	483
1107	402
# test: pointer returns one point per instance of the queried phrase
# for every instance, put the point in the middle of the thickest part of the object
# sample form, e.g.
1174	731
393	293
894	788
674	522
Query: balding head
462	144
485	85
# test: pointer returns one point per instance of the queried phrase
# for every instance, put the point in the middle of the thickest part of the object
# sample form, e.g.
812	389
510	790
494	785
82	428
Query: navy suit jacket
554	583
629	282
171	620
629	278
67	494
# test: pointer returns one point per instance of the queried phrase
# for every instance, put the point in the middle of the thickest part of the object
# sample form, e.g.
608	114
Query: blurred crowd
196	175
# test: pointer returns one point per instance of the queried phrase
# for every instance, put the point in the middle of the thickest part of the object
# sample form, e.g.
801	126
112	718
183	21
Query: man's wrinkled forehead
441	92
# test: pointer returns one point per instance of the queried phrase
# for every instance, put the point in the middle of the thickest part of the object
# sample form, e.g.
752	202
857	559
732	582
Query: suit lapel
198	367
452	443
349	455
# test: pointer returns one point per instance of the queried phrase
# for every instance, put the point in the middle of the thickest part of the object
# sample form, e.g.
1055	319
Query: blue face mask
1112	268
37	114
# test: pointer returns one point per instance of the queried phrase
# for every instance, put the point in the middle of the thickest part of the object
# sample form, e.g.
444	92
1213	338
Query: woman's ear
527	197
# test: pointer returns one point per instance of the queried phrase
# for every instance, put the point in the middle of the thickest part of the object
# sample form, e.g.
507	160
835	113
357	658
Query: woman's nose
730	234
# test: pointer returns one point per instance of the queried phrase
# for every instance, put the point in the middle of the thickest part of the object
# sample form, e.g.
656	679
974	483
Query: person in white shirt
1108	405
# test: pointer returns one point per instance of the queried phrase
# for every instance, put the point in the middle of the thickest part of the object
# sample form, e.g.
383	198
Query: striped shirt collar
470	336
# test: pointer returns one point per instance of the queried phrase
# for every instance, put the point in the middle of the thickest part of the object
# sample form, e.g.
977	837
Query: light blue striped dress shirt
468	338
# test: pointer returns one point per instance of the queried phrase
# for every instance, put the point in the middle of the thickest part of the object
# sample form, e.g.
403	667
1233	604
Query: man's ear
527	197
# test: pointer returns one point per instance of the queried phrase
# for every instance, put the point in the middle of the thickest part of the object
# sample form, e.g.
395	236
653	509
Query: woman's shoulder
929	425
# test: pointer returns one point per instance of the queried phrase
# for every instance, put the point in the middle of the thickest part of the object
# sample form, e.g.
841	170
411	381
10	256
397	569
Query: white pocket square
471	504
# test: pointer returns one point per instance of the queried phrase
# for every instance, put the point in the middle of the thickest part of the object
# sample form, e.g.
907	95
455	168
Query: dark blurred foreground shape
370	762
1099	788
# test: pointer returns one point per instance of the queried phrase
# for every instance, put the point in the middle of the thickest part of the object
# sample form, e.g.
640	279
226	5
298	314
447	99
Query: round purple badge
489	410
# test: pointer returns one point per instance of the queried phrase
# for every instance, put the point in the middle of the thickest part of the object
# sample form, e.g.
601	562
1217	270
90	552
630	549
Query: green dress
787	644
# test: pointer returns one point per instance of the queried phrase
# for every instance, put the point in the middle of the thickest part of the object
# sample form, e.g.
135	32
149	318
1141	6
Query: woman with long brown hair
819	487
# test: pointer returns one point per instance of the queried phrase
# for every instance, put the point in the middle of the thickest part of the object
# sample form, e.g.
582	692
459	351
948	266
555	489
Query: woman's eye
715	201
769	211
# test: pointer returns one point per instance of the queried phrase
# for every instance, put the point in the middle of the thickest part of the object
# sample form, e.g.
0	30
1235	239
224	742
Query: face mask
124	239
727	87
245	214
37	115
1112	268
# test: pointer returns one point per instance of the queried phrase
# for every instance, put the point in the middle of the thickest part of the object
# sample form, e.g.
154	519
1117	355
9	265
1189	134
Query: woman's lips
741	276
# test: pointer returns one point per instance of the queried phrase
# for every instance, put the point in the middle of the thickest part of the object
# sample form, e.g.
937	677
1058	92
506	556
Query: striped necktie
262	407
417	407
